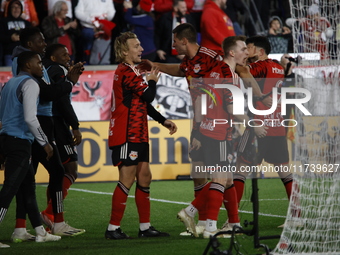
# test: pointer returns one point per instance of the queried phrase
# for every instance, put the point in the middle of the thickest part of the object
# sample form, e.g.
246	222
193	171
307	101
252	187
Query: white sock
40	230
112	227
191	210
201	223
210	225
58	224
20	231
144	226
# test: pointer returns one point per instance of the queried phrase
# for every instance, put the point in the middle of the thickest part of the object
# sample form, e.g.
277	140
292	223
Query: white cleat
229	228
22	237
293	223
208	234
63	229
47	238
188	222
199	231
2	245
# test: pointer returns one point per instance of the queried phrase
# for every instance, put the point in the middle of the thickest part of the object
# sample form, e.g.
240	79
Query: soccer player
128	137
18	108
32	39
57	64
272	147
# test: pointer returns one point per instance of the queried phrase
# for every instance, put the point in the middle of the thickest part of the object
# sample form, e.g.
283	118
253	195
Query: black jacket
62	106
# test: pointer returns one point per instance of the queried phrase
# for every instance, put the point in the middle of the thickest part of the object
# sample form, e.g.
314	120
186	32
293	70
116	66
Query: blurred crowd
89	27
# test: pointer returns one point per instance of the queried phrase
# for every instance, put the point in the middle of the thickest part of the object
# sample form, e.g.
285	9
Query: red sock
201	199
58	217
288	187
231	205
20	223
215	199
202	213
119	198
142	198
239	187
67	182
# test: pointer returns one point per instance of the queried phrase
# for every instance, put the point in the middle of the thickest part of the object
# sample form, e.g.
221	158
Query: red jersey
128	121
269	74
217	102
200	66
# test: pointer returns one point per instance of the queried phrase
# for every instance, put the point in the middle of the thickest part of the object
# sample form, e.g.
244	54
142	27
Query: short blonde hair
121	45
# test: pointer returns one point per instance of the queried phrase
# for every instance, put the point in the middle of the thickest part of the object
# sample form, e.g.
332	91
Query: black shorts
247	147
64	141
216	152
273	149
130	154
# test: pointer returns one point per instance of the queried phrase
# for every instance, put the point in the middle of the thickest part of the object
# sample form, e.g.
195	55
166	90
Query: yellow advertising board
168	153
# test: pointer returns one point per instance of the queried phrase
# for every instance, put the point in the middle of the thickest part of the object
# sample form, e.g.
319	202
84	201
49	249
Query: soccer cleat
199	231
207	234
116	234
2	245
188	222
22	237
66	230
228	228
47	238
152	232
47	219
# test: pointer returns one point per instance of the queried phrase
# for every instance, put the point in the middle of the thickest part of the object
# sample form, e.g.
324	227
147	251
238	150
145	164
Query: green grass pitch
88	206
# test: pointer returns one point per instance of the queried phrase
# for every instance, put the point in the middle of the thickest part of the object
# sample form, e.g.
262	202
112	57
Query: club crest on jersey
197	68
133	155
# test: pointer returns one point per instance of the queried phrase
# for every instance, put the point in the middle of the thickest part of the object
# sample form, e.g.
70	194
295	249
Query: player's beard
179	14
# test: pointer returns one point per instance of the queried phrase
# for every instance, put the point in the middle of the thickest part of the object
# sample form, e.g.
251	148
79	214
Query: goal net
312	224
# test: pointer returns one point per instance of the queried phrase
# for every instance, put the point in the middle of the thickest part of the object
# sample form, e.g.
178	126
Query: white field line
183	203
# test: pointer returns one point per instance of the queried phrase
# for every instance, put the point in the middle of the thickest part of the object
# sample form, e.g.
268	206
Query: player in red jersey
273	146
128	137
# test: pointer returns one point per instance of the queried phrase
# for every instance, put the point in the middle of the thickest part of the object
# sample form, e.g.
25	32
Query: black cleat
152	232
116	234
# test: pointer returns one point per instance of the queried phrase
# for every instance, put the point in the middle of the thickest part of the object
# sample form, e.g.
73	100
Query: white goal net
312	225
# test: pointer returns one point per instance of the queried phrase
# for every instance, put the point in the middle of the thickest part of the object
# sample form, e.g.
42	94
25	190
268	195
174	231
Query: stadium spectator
276	27
28	12
141	22
215	25
58	28
128	138
163	6
234	7
70	7
196	14
57	63
10	29
19	127
163	32
89	12
32	39
316	32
